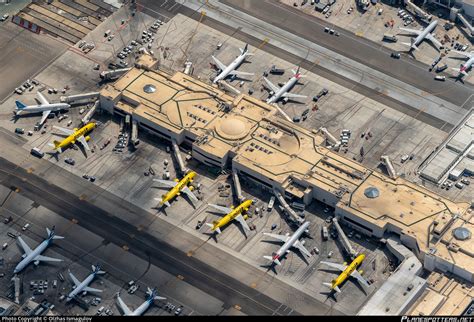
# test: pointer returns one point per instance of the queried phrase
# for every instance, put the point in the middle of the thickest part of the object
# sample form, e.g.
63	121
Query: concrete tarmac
104	222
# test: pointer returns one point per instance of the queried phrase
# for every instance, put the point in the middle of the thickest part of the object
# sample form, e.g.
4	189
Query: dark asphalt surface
119	232
359	49
266	12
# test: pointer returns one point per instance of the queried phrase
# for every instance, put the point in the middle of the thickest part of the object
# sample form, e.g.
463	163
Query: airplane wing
42	258
413	31
74	279
221	209
238	74
67	131
83	141
290	95
44	116
91	289
334	265
359	278
123	306
42	99
298	245
435	41
282	238
25	247
218	63
468	55
167	183
190	194
271	85
242	221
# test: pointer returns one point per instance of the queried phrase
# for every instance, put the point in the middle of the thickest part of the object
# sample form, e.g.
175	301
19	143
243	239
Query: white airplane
44	107
83	287
35	255
284	92
152	296
467	65
422	34
289	241
231	69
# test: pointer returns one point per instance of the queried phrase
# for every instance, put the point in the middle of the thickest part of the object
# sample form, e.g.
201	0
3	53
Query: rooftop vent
371	192
149	88
461	233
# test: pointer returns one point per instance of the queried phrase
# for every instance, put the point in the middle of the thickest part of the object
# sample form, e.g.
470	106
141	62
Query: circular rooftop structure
149	88
232	128
371	192
461	233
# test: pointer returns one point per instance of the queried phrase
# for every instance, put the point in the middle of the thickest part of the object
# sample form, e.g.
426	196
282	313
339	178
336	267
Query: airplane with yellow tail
230	215
177	186
347	271
75	135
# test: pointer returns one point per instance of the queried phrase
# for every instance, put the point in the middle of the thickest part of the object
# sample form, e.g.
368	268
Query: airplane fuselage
290	242
175	191
243	207
425	32
284	89
234	65
71	139
31	257
466	66
42	108
348	271
142	308
78	289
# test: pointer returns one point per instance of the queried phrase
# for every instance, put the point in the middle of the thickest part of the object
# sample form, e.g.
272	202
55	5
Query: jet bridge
238	188
344	240
177	154
287	207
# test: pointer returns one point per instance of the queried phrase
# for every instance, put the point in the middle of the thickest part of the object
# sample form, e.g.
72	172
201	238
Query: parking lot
384	19
375	129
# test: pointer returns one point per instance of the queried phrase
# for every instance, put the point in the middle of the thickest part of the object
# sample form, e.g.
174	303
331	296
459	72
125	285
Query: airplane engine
302	242
246	217
285	100
36	263
233	77
191	188
272	93
87	138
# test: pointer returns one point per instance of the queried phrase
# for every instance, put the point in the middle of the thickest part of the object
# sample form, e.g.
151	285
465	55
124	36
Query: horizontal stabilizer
335	288
276	261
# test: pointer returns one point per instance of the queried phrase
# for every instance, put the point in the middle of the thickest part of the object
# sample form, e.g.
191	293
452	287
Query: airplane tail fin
54	147
20	105
461	72
56	143
217	230
97	270
52	235
330	285
270	258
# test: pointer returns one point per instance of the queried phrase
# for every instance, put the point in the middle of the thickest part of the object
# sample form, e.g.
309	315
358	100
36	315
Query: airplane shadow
270	267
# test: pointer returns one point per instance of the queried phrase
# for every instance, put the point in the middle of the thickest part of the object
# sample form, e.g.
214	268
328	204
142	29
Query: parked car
395	55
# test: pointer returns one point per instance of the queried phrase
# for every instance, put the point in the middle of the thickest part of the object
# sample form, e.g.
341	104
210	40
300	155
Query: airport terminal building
245	134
